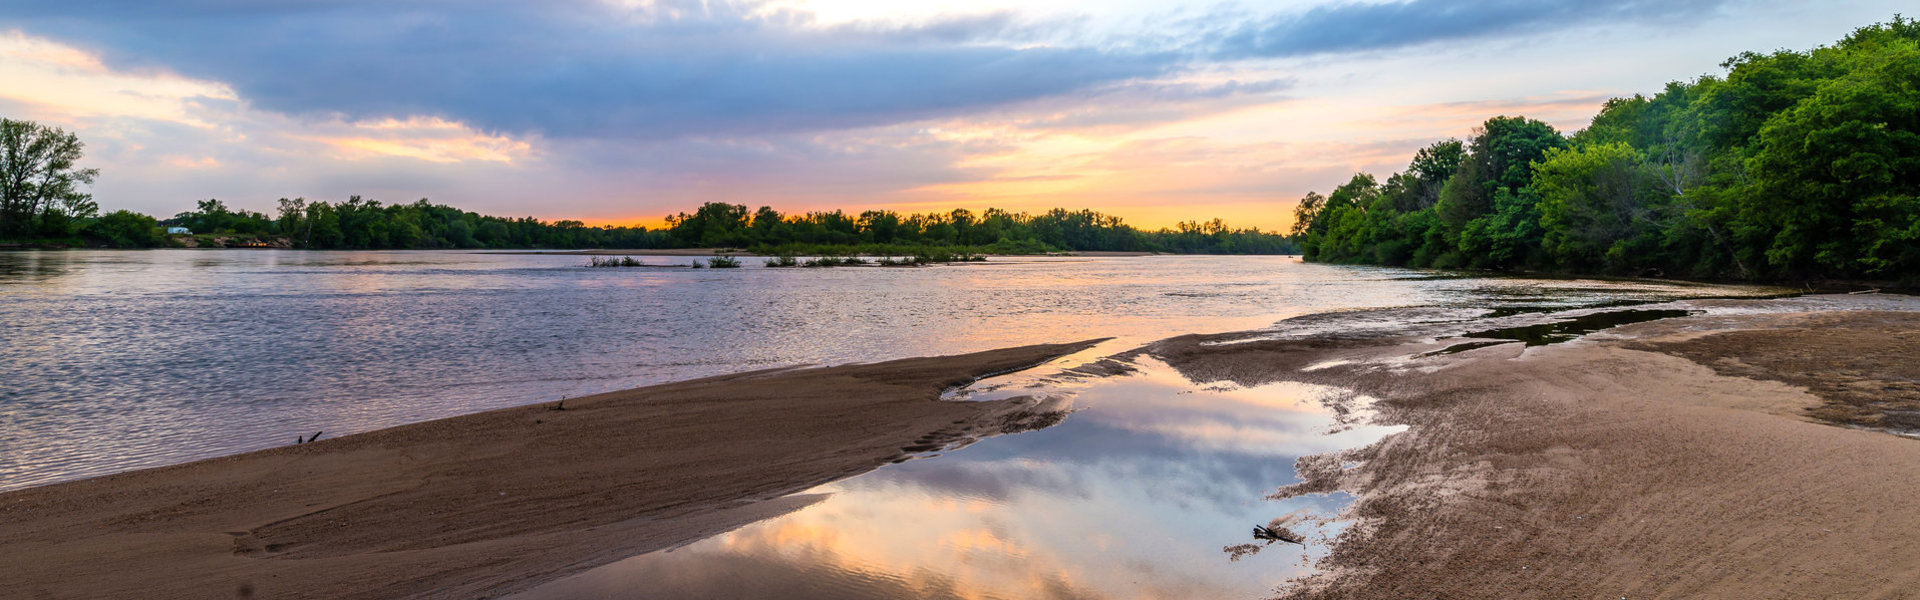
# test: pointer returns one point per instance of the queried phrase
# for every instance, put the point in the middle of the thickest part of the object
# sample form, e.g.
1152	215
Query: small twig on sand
1271	534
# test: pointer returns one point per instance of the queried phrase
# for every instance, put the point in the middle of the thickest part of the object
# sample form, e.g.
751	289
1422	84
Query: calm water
118	360
1134	495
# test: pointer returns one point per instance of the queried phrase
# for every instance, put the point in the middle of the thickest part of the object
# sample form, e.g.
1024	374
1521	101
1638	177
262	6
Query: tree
714	224
1501	155
1430	169
126	229
1838	175
1591	199
1305	213
38	176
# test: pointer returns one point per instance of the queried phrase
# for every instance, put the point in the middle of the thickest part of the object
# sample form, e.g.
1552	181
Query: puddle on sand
1560	331
1134	495
1458	348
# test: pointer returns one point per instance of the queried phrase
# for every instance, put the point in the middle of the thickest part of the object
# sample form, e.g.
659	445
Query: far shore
682	252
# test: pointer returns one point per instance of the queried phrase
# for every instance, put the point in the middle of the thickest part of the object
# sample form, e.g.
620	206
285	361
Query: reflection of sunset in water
1132	496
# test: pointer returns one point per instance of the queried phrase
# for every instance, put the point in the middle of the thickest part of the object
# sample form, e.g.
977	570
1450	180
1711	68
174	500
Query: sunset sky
622	111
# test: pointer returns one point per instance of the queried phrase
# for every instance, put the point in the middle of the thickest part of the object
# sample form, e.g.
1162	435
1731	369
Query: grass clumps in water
723	262
850	260
827	261
943	256
614	261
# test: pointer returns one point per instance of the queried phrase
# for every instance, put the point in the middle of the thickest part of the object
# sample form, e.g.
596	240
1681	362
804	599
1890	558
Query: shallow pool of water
1136	494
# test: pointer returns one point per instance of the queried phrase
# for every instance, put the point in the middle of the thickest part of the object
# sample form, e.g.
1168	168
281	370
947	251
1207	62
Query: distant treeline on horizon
363	224
1794	166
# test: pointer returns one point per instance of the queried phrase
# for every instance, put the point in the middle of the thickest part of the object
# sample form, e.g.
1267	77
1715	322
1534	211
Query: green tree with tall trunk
39	181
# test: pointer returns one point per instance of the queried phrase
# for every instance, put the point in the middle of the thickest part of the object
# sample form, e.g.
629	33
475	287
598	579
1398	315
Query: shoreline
1614	465
1679	457
499	501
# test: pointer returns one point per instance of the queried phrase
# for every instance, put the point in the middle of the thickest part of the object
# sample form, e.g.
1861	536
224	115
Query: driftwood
1277	534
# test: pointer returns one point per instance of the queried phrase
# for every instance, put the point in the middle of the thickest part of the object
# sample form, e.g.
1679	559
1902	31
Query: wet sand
486	504
1618	466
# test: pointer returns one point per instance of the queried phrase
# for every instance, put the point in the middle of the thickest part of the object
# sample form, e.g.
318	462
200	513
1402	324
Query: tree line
1794	165
41	202
358	224
766	230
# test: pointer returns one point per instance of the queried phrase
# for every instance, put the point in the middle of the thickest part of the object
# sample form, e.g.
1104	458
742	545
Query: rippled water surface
118	360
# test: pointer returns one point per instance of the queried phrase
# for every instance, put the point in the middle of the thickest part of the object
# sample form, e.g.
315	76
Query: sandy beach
1618	466
1728	456
486	504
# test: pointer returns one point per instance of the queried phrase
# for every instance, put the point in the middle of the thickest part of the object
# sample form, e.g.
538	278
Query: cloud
1355	27
583	69
622	110
668	69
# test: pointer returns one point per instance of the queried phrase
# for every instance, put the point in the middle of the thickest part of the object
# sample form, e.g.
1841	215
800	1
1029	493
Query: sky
625	111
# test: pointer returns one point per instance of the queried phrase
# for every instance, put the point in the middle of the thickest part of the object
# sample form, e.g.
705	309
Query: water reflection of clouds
1106	504
1204	445
992	481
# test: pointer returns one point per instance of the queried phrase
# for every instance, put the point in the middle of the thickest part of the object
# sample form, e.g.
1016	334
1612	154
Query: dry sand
491	503
1617	468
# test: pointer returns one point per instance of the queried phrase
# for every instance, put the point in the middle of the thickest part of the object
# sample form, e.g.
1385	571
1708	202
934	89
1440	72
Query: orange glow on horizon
1278	217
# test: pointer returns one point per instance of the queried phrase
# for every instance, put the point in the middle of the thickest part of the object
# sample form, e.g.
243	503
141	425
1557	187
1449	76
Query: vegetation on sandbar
614	261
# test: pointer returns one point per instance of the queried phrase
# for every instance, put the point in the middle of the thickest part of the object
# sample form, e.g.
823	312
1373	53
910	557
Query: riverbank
1617	465
485	504
1639	461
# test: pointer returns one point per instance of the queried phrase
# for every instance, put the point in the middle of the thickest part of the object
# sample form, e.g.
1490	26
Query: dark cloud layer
1352	27
586	69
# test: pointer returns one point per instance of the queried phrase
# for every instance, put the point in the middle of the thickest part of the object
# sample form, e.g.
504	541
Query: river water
116	360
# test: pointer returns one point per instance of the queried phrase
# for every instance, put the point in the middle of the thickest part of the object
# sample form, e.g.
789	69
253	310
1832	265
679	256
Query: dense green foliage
1793	165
